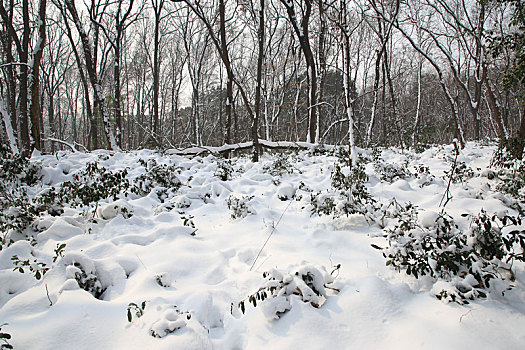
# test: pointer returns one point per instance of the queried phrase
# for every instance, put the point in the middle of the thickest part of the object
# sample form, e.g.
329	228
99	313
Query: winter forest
169	74
238	174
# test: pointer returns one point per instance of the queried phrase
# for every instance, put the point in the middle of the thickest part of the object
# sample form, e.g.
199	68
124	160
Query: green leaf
5	336
129	315
241	304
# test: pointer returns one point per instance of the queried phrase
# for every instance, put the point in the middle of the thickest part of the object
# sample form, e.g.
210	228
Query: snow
7	125
138	249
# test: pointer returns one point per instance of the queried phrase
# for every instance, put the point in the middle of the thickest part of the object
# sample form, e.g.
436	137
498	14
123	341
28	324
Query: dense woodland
171	74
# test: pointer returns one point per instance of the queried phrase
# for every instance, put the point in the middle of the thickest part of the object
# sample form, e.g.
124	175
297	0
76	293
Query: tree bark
260	40
157	8
34	110
99	97
301	30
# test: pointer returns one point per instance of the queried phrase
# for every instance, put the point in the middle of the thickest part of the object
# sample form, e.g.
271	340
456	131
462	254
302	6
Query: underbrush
465	264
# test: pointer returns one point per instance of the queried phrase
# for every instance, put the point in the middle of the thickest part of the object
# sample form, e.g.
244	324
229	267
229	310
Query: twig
447	192
465	314
271	233
261	264
48	298
141	261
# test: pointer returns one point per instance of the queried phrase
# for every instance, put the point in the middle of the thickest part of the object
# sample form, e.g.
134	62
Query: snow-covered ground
181	264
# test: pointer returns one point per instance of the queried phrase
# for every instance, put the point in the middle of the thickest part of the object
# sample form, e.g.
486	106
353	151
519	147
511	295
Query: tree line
170	74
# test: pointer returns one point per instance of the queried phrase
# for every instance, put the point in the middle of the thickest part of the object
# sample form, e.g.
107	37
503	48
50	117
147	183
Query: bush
224	170
307	283
88	186
511	168
391	172
464	262
460	173
281	165
17	174
87	280
240	207
347	196
157	175
5	338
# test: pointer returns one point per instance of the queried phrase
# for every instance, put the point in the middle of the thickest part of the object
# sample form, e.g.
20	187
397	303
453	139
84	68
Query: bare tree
302	31
220	42
90	67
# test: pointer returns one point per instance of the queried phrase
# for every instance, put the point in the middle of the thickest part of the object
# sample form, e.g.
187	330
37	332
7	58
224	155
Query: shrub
157	175
306	282
239	207
86	279
38	268
460	173
16	209
88	186
511	171
391	172
465	263
347	196
5	338
172	320
224	170
138	310
281	165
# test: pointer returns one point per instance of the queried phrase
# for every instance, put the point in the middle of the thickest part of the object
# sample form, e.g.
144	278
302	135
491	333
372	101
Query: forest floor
173	266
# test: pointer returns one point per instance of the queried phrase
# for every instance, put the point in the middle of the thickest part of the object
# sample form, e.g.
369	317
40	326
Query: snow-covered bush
16	169
305	282
511	172
239	207
424	251
17	174
37	268
348	195
156	175
460	173
464	263
171	320
87	280
422	173
81	269
111	210
224	170
137	309
88	186
391	172
5	339
279	166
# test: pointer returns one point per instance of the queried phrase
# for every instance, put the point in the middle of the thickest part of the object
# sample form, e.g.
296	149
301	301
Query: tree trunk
375	98
302	33
35	112
260	40
97	89
347	82
418	105
157	6
24	80
7	125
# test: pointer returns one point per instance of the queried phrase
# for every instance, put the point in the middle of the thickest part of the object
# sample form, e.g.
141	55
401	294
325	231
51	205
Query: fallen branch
227	148
62	142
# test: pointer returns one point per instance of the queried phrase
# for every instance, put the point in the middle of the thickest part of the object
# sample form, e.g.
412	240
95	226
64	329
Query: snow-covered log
228	148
